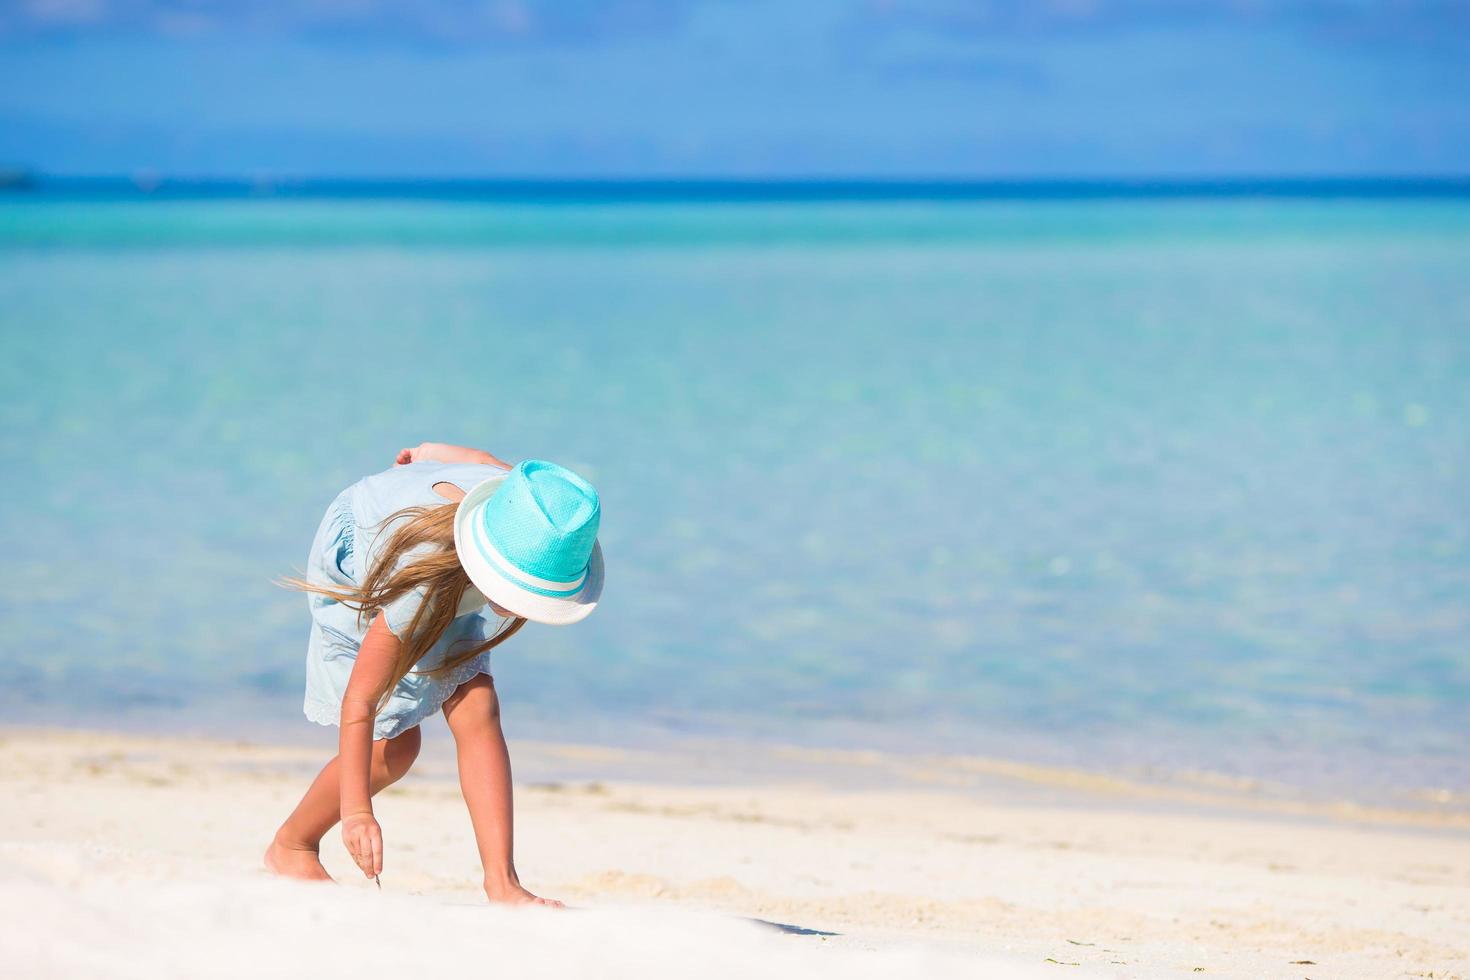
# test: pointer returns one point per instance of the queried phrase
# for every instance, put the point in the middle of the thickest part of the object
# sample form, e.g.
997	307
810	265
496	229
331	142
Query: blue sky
729	88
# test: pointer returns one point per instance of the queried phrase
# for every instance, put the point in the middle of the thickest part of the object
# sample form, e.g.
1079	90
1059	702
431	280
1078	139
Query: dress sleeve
400	612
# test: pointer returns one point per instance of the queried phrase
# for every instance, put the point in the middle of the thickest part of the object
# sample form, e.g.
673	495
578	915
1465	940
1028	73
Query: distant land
19	182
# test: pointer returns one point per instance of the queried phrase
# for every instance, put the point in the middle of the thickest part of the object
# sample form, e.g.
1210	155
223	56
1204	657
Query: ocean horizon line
24	183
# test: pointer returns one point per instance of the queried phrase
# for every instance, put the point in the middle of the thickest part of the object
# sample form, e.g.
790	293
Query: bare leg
295	850
473	713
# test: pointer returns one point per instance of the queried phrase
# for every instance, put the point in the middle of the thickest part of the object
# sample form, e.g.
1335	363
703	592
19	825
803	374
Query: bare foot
514	894
295	862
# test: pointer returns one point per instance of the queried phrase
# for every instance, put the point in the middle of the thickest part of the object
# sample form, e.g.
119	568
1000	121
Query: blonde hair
437	571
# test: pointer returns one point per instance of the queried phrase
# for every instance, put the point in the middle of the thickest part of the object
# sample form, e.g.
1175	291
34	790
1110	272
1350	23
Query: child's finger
377	839
361	855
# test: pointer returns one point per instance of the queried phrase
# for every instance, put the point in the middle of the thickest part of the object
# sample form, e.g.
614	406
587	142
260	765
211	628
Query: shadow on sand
791	930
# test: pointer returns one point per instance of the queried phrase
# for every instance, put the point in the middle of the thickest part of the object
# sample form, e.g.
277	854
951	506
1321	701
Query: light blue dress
346	544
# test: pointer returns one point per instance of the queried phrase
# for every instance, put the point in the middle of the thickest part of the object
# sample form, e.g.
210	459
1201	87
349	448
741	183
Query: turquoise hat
528	541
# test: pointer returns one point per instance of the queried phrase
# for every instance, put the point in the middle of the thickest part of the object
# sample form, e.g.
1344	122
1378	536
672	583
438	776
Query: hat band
520	579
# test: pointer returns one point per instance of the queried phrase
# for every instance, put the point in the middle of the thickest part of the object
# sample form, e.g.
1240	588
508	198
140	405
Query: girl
415	574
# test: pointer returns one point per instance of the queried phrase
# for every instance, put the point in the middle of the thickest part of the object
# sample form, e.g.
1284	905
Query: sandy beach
123	855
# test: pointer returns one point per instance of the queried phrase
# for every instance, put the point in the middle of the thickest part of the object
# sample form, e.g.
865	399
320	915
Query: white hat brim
553	610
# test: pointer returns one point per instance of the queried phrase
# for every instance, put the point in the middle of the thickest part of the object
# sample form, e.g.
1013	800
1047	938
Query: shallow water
1170	484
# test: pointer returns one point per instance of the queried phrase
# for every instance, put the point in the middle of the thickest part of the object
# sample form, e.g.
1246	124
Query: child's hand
364	840
442	452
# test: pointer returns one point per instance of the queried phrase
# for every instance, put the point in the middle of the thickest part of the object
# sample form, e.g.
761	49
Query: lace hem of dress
327	714
321	713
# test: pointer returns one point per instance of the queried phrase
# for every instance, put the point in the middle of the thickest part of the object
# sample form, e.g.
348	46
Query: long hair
428	532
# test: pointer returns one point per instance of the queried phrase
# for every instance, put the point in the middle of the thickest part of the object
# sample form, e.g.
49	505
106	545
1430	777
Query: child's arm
371	673
440	452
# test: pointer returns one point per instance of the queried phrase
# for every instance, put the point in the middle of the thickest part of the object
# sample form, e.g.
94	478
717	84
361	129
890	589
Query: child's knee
473	708
398	754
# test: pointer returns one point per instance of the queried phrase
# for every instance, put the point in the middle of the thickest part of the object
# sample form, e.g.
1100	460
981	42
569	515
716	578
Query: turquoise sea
1138	485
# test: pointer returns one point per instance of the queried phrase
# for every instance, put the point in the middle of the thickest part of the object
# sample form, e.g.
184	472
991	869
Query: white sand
123	856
